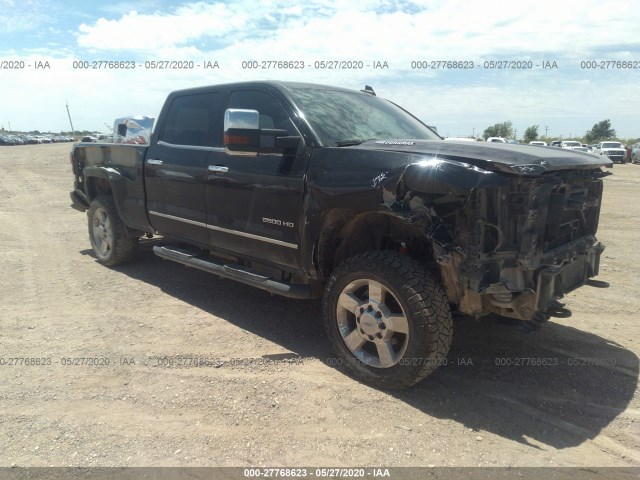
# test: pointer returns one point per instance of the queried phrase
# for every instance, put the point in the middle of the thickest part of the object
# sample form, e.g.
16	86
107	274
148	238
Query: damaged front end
515	243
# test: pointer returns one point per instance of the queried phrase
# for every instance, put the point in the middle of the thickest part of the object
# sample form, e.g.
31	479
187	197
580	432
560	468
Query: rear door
176	164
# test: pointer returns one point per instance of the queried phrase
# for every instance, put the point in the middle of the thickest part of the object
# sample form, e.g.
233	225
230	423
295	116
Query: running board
235	272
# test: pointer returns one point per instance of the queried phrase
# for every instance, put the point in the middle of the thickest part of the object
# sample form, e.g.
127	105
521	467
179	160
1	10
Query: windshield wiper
353	141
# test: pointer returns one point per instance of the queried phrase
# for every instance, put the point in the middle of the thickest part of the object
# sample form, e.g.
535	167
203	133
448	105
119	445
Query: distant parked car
497	140
635	153
16	139
614	150
460	139
30	139
89	138
556	143
6	140
571	145
538	142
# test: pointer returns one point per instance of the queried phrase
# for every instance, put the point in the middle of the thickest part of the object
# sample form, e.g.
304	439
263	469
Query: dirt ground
262	390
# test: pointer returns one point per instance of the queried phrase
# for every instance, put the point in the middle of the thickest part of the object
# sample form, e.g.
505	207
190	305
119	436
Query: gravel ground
138	399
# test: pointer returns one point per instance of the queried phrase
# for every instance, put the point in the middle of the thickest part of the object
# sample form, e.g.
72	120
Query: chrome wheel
102	232
372	323
387	318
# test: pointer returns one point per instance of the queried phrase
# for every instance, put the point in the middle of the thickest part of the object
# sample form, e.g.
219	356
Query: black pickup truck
313	191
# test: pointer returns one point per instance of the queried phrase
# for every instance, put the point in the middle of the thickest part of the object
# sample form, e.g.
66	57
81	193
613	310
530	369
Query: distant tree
504	129
600	131
531	133
490	132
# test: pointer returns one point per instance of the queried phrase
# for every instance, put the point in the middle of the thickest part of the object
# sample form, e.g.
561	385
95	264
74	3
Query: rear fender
108	181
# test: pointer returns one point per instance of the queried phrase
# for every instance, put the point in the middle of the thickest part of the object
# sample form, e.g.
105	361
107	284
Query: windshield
573	144
611	145
347	118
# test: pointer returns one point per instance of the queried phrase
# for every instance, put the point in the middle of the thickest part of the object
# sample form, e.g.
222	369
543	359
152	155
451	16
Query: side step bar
235	272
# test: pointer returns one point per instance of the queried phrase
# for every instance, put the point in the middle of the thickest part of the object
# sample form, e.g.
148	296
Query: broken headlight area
523	245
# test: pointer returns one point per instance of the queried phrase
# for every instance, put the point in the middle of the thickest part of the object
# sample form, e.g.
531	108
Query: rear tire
108	234
388	319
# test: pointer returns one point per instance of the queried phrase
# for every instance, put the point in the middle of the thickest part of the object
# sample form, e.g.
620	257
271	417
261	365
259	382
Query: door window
194	120
272	115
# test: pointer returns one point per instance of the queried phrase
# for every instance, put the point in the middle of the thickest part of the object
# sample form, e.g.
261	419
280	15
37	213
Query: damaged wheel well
346	234
97	186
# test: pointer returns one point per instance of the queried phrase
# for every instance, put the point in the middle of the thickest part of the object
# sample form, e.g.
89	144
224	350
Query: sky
550	51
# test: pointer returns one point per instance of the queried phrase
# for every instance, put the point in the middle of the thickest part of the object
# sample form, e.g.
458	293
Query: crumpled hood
504	157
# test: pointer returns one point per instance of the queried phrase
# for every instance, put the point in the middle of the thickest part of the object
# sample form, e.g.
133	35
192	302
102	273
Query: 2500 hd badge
275	221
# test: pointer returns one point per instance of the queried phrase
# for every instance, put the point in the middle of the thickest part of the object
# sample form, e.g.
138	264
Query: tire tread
124	248
427	302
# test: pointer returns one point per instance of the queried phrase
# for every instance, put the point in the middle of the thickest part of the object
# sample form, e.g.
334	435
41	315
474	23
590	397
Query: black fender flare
118	188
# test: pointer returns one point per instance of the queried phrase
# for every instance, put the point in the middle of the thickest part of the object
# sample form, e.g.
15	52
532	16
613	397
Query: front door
254	203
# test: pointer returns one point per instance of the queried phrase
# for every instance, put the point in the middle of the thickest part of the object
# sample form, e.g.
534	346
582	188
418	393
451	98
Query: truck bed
109	168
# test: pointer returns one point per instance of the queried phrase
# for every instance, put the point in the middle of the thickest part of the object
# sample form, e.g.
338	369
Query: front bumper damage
516	249
581	262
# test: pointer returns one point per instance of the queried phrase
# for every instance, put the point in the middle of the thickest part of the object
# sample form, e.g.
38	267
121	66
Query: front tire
108	235
388	319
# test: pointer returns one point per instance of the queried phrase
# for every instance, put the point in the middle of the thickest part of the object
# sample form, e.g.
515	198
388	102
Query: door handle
153	161
218	169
